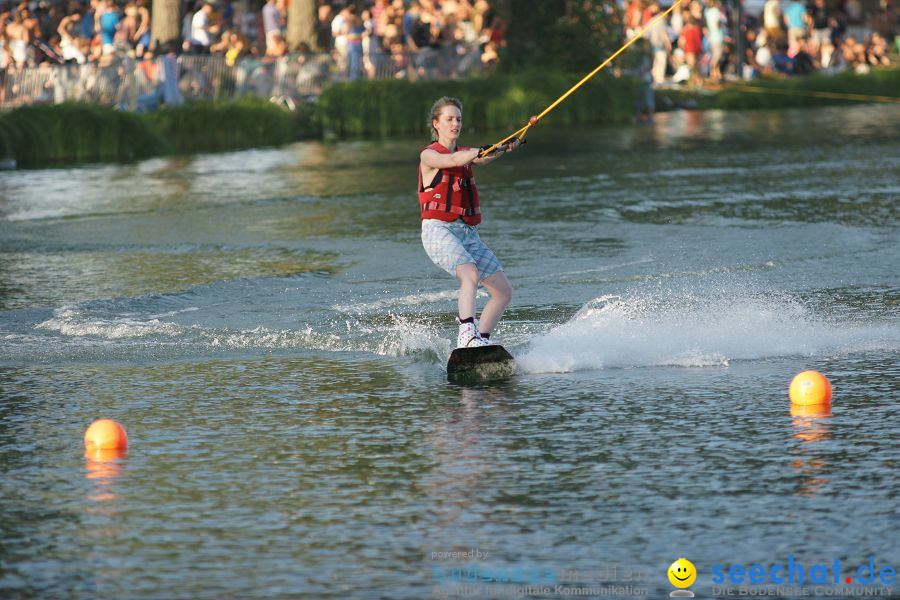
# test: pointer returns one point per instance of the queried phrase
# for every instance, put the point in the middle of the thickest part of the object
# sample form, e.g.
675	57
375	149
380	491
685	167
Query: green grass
215	127
774	93
43	135
391	107
69	133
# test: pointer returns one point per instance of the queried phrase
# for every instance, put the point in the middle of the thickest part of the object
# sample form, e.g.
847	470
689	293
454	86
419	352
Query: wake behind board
483	362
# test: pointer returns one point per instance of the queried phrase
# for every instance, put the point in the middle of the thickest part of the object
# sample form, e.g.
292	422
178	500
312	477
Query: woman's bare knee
499	287
467	274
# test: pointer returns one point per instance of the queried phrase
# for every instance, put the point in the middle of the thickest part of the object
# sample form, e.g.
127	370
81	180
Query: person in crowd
31	22
715	37
764	55
691	41
831	60
821	29
88	22
797	21
803	62
4	44
490	57
781	60
273	21
773	20
203	29
128	28
854	53
645	105
338	32
109	24
354	30
634	14
18	39
276	46
142	35
410	20
325	15
877	51
68	30
660	43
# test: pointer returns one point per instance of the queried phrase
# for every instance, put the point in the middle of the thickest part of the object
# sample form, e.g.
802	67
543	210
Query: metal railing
144	84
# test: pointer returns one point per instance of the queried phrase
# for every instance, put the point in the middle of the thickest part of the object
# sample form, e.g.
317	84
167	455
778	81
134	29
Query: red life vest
452	194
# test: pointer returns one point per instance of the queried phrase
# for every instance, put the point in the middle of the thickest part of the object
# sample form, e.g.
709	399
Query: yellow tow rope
520	134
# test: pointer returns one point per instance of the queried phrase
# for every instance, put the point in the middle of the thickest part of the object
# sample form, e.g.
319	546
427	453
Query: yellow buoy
809	388
105	434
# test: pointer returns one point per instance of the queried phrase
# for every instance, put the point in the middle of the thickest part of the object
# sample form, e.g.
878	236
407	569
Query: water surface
270	332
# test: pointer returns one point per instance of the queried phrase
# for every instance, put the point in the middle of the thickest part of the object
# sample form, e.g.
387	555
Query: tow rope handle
502	148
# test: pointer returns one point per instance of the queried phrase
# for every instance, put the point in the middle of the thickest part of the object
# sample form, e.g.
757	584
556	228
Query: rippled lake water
268	329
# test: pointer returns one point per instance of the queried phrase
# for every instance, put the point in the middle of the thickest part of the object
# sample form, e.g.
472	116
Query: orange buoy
533	120
810	387
105	434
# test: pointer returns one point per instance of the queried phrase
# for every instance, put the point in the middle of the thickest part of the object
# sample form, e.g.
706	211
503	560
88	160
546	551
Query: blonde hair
436	112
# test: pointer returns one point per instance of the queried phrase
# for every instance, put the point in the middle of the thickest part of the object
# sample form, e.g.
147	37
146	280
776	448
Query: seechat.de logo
794	572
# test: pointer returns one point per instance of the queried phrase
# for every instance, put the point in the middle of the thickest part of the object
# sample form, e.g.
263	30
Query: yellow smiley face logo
682	573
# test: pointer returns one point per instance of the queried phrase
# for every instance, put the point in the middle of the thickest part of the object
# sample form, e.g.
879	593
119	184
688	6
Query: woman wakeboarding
451	212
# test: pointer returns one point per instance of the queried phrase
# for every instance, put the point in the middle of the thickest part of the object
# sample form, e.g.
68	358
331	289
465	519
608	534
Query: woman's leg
468	284
501	293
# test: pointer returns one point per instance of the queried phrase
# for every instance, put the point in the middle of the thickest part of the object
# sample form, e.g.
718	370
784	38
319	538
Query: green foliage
803	91
306	121
813	90
584	37
211	127
42	135
564	35
45	134
65	133
491	103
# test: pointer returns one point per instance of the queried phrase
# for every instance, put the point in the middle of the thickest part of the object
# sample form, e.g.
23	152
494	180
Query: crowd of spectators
696	42
403	38
38	33
415	38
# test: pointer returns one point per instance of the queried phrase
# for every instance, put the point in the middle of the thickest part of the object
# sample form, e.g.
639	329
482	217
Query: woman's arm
144	27
62	30
433	159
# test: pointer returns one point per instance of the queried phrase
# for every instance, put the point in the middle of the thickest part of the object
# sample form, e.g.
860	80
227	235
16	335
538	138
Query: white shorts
449	245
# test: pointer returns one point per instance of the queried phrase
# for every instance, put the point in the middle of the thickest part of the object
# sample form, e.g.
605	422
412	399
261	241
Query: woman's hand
498	152
510	146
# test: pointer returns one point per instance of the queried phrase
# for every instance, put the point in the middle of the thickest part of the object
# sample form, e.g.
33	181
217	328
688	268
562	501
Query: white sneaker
468	336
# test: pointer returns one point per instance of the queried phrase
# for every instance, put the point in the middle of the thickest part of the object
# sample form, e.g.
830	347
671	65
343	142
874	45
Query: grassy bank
45	135
49	134
498	102
774	93
207	127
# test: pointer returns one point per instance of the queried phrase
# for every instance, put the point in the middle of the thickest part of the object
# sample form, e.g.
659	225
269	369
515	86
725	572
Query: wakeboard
482	362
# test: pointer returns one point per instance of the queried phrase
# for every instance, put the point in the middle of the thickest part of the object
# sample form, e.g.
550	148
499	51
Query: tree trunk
165	26
302	24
